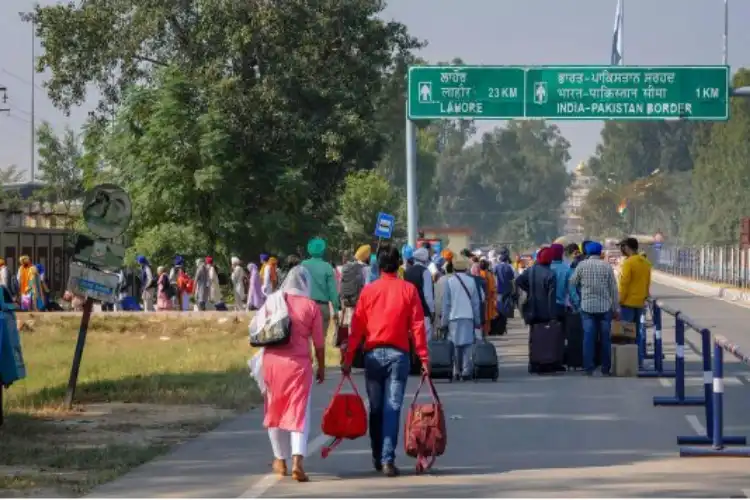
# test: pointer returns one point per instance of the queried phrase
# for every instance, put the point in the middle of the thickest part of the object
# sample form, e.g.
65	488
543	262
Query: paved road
524	436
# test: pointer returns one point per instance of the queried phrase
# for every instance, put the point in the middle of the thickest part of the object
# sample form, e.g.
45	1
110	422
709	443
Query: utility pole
32	166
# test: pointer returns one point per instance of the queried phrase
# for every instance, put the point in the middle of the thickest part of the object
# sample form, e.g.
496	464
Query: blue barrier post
715	428
679	398
708	394
642	339
658	371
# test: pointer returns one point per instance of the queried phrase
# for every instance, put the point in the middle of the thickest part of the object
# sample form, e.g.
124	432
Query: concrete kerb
705	289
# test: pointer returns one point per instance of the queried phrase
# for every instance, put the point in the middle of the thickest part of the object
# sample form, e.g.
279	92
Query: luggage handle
344	378
431	386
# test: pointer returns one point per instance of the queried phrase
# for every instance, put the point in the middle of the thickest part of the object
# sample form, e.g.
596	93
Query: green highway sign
569	92
628	93
481	92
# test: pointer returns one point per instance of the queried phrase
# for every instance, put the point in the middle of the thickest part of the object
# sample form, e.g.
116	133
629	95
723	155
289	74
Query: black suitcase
442	355
484	361
574	343
546	347
359	357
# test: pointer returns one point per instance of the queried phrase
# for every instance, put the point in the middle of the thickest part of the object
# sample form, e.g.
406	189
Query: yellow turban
363	253
24	259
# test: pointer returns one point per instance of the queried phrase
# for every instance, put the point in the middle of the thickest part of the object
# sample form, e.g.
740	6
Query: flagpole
726	32
622	32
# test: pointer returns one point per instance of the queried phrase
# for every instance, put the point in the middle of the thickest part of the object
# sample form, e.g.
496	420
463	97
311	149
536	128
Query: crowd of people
392	304
28	286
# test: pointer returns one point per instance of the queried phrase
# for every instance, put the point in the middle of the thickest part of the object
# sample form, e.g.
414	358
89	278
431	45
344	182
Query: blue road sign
384	225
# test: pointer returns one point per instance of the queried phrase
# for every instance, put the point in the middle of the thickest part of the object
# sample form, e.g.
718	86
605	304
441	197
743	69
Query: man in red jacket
388	313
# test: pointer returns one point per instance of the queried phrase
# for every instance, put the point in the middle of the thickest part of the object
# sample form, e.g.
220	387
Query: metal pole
33	92
726	33
78	354
411	181
622	33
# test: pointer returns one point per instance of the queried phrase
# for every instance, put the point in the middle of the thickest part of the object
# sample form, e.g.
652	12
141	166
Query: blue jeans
386	373
633	315
597	325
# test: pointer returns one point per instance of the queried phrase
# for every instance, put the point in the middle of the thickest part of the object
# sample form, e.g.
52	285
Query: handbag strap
344	378
431	386
463	285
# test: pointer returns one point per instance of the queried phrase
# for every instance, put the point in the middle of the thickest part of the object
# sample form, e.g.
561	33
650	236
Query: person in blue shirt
562	272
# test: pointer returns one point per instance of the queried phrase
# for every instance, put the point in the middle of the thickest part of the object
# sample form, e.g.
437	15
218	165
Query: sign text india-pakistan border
569	92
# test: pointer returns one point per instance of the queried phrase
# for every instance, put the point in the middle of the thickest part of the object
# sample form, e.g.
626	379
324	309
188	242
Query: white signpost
96	285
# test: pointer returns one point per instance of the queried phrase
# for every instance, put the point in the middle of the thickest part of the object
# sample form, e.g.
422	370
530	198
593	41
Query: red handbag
425	436
345	417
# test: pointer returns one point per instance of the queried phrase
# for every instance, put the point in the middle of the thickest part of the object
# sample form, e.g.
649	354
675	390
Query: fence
713	384
729	265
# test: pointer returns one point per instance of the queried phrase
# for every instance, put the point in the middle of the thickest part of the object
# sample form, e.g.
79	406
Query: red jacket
388	313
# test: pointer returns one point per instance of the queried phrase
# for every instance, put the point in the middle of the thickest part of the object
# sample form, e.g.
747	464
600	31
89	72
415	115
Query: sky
494	32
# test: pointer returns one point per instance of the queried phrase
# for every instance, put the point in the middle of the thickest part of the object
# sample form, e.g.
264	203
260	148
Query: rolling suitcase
574	343
442	354
546	347
484	360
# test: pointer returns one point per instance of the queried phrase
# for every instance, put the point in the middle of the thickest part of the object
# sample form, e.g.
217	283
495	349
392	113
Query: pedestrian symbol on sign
540	92
425	91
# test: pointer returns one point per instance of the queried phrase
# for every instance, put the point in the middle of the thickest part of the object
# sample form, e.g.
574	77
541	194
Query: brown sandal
279	467
298	473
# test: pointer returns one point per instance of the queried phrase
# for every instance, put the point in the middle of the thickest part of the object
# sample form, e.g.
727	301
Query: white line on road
269	480
696	425
693	292
665	382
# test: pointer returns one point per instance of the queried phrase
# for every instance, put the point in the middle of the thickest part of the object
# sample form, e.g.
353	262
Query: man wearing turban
323	288
596	281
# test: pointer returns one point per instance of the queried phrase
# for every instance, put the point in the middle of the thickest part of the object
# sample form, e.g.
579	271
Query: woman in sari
163	298
270	276
490	310
36	290
255	296
287	374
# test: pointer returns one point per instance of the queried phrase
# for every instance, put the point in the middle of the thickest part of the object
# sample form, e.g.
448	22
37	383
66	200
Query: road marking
696	425
698	381
665	382
270	480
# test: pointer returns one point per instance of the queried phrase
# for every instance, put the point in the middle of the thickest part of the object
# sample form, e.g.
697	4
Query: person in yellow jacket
634	286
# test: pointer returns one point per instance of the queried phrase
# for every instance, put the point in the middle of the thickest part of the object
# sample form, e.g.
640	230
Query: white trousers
148	300
286	444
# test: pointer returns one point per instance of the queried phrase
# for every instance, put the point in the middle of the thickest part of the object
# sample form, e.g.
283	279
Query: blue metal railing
715	427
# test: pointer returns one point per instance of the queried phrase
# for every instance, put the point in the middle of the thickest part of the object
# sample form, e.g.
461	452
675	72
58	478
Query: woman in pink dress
163	299
288	376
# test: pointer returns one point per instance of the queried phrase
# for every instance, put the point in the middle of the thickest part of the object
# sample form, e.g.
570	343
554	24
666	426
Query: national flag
622	208
616	58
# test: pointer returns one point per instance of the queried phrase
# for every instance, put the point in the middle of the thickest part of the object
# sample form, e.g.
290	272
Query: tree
721	178
507	187
242	118
364	195
60	168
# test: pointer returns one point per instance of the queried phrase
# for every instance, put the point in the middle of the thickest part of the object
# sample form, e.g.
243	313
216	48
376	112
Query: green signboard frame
487	92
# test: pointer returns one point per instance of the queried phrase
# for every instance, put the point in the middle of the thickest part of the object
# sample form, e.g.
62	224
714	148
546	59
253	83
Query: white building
580	186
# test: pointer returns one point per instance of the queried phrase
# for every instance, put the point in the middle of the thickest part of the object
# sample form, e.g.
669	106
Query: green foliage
508	187
60	167
364	195
721	179
241	119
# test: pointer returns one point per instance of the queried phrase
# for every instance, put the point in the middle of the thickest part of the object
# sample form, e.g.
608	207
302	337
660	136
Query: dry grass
146	383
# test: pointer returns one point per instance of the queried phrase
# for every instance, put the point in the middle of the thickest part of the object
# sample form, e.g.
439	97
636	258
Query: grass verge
146	383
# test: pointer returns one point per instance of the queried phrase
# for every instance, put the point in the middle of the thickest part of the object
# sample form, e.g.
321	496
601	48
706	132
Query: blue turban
40	268
407	252
141	260
263	257
593	248
179	261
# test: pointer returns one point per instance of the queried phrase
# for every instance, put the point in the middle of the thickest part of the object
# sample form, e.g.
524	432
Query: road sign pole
82	331
411	180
